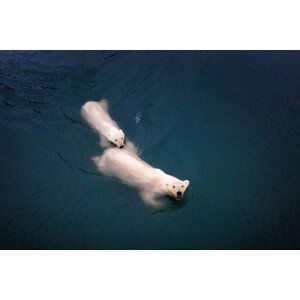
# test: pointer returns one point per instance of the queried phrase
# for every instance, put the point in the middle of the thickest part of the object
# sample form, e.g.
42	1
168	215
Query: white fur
132	170
97	116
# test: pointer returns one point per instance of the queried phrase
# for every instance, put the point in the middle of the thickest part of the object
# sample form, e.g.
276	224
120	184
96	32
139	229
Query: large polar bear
96	114
132	170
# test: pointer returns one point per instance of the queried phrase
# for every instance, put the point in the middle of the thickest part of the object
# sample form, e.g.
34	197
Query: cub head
176	188
117	137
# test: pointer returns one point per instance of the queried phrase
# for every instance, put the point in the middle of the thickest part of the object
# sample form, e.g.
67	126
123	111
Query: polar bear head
175	187
116	136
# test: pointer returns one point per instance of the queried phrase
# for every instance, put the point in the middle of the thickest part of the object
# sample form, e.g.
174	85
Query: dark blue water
228	121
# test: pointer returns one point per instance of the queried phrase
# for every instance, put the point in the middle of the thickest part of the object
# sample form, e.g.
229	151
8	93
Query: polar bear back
97	116
129	168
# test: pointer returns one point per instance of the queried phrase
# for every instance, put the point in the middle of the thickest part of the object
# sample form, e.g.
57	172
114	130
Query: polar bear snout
179	194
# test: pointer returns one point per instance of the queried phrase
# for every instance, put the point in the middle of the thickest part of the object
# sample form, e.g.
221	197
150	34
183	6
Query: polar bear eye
173	186
182	186
115	140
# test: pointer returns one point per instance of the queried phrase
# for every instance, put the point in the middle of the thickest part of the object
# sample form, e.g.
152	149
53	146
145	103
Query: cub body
96	115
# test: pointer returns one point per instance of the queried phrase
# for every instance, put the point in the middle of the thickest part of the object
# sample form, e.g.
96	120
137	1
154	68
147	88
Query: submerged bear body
132	170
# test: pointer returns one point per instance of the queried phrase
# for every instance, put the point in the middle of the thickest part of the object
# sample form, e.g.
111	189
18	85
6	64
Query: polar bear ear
186	183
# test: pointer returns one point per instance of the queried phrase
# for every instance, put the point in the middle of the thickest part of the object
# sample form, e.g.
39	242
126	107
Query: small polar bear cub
132	170
96	114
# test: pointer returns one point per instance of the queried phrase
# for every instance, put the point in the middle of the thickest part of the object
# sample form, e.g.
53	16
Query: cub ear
186	183
121	131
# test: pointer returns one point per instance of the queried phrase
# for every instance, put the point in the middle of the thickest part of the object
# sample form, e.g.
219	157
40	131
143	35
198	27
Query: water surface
226	120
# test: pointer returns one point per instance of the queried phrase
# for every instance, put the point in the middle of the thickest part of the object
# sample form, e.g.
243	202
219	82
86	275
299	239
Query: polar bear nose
122	146
179	194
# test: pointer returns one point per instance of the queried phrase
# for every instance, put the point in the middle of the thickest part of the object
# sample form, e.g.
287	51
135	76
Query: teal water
226	120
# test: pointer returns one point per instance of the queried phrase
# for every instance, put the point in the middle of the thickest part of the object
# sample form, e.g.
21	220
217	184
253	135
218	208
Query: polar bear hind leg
104	104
